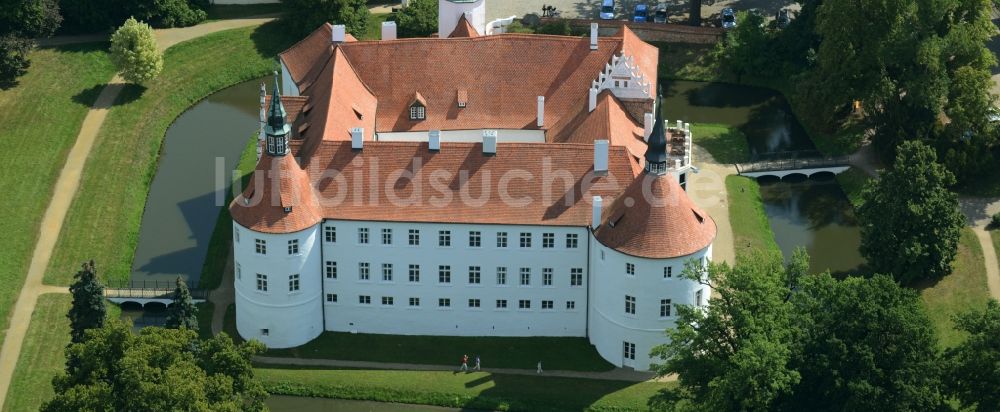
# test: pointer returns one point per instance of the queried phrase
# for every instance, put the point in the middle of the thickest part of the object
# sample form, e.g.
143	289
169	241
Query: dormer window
288	209
418	112
462	98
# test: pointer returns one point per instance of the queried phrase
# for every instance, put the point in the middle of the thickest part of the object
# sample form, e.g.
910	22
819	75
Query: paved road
62	199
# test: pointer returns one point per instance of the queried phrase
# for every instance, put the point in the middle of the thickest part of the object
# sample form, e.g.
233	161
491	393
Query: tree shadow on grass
271	38
128	94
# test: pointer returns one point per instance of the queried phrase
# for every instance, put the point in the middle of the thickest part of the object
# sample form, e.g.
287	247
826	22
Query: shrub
134	52
174	13
13	58
301	17
995	221
418	19
558	27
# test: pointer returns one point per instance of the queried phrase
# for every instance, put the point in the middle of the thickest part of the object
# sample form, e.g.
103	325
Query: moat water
187	192
812	213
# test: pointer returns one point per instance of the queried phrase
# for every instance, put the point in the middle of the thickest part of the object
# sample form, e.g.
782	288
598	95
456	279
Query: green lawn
103	222
478	390
42	353
852	181
41	117
964	289
501	352
681	61
239	11
751	230
726	144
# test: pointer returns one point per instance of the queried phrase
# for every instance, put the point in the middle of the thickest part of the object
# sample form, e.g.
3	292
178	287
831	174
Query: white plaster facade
450	11
572	291
467	136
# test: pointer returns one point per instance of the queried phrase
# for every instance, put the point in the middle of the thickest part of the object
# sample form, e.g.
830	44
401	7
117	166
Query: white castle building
468	185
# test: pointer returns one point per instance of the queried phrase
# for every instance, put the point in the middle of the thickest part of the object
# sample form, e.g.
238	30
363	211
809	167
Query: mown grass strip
751	230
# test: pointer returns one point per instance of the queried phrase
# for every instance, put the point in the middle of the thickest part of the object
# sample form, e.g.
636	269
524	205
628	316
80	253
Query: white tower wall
290	317
449	11
610	327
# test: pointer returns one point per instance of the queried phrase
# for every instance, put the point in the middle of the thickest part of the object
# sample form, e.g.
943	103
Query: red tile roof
654	218
609	121
464	29
277	183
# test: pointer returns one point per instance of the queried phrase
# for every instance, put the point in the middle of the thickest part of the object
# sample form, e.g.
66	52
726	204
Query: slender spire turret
277	129
656	146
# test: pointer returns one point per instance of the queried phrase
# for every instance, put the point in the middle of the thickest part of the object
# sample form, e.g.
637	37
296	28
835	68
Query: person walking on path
477	363
465	363
539	367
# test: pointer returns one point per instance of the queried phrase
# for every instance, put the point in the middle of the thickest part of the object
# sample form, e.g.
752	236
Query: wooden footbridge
805	163
143	292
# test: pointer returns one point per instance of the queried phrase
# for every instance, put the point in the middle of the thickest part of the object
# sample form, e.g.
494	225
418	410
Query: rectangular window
524	304
417	112
239	270
236	234
331	297
668	272
444	238
475	239
387	272
262	282
474	275
414	237
572	241
697	298
629	305
570	305
548	240
261	246
473	303
387	301
501	275
547	304
630	269
525	239
363	235
386	236
414	301
365	299
664	308
525	276
629	351
414	273
330	234
576	277
501	239
546	276
265	332
501	303
444	274
444	303
331	269
293	282
364	271
293	247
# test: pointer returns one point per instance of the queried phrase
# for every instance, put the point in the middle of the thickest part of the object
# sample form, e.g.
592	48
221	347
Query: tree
159	369
21	21
301	17
182	313
134	52
694	12
734	354
971	372
910	221
968	138
866	345
747	48
418	19
88	310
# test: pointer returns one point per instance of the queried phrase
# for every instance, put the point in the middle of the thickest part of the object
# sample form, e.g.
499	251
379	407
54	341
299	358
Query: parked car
728	18
607	10
782	18
660	14
639	14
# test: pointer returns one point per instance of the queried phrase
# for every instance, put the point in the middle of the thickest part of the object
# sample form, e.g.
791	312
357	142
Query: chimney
388	30
647	125
596	212
357	138
339	33
541	111
593	36
434	140
601	157
593	99
489	142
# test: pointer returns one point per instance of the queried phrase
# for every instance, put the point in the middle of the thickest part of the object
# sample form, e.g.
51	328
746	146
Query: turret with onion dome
654	217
